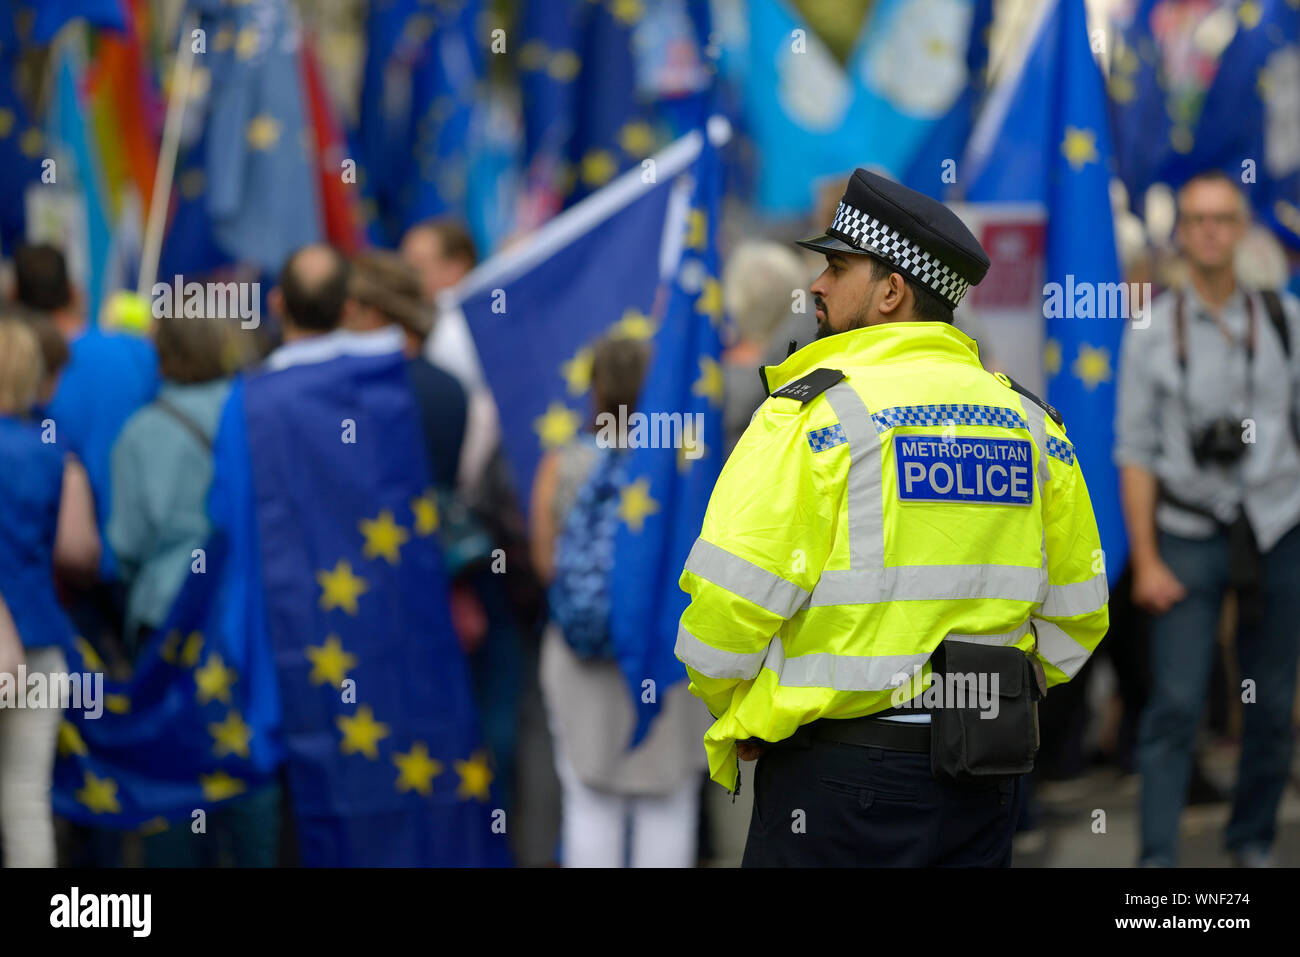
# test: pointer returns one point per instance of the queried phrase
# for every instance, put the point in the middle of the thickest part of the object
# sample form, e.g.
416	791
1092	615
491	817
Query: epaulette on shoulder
1042	404
810	386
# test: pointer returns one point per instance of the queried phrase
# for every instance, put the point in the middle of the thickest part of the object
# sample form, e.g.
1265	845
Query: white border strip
331	345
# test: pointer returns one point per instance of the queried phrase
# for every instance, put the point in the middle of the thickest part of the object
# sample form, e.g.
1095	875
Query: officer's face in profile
843	294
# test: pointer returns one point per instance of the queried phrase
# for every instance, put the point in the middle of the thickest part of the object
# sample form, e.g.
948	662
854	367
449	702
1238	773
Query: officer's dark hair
315	303
41	278
926	305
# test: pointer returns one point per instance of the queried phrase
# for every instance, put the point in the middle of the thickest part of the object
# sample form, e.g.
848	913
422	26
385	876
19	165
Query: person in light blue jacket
162	469
158	523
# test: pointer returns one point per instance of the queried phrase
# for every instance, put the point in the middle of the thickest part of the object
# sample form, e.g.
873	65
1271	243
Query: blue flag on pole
1043	137
259	186
22	143
907	74
424	63
636	259
662	504
535	310
584	120
1250	124
1141	114
190	247
69	125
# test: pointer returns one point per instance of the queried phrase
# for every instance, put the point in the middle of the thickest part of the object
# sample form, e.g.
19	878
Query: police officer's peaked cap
919	236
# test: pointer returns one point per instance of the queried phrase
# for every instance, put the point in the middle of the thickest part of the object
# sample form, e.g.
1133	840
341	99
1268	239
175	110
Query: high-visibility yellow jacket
918	497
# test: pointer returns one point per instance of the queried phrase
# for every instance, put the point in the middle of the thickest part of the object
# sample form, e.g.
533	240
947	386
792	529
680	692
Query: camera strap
1180	351
1277	319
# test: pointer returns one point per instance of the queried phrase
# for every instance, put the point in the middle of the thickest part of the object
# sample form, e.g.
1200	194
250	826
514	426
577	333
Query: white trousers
596	826
28	737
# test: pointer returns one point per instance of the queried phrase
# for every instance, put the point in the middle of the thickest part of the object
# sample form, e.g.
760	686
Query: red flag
340	200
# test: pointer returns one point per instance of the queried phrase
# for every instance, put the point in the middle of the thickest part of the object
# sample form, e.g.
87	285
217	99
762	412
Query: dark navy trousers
825	804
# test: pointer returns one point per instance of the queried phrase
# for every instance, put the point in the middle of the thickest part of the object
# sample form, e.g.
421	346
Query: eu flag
1180	110
662	504
1140	115
584	120
190	247
197	721
1250	123
535	310
385	765
422	71
259	185
1043	138
22	144
191	727
318	635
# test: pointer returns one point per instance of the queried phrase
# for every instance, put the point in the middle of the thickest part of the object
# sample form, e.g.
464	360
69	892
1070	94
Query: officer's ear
891	293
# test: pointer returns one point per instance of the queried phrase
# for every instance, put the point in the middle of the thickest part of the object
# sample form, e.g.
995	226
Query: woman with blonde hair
47	526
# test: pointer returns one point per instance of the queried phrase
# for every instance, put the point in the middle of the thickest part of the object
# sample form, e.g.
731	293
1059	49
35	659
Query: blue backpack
584	558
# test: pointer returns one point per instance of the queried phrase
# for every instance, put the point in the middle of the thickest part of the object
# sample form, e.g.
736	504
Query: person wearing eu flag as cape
385	765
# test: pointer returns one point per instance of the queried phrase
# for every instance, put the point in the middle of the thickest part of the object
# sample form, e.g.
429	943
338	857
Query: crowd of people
106	456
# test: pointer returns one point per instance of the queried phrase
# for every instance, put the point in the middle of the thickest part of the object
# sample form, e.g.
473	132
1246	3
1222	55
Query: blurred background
204	140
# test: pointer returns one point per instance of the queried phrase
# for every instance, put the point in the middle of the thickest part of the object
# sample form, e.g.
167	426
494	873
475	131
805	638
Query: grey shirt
1152	420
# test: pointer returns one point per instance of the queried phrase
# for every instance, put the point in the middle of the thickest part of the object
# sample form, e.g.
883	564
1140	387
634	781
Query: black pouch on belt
987	721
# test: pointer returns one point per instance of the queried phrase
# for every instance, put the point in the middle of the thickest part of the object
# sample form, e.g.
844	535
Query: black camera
1219	443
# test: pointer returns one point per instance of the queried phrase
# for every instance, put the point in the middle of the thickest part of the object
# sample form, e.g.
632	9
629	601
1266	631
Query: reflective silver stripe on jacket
840	672
866	518
862	672
930	583
1037	418
714	662
768	591
1079	598
1003	638
1058	648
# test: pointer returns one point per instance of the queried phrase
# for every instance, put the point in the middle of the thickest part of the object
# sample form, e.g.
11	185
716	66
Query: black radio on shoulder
1219	443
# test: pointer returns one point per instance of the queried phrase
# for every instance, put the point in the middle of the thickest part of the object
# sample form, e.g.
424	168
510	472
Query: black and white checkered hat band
870	234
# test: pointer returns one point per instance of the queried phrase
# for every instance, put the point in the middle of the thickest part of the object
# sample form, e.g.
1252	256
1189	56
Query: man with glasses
1209	452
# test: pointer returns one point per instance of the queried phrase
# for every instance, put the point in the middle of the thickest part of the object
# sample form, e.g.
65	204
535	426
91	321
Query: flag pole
162	183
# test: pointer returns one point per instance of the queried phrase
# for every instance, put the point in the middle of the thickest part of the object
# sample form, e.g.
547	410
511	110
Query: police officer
898	558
